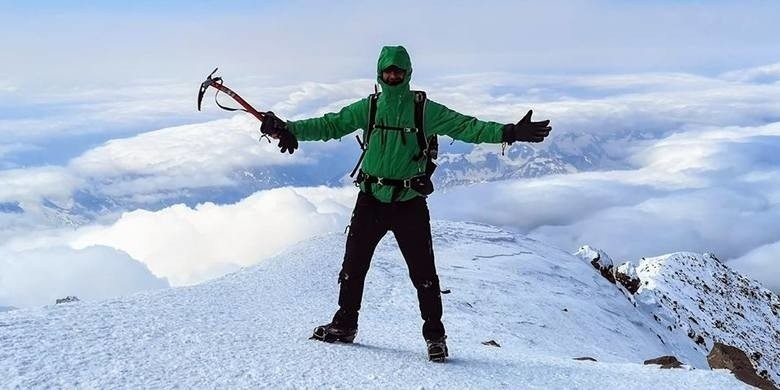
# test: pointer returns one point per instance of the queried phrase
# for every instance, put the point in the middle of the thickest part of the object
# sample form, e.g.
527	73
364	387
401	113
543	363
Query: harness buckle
380	181
408	183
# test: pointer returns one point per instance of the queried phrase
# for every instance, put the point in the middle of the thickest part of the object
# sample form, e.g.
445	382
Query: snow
249	329
698	297
590	254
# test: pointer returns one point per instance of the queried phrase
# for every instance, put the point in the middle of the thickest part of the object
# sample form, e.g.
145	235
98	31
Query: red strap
248	107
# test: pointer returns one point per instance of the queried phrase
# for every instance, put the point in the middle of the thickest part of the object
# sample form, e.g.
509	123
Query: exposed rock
665	362
626	275
599	260
491	343
736	361
586	358
68	299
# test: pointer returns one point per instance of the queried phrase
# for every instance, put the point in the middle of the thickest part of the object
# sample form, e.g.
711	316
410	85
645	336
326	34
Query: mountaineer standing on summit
399	143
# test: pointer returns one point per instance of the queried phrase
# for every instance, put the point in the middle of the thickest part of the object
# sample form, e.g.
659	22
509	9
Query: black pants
410	223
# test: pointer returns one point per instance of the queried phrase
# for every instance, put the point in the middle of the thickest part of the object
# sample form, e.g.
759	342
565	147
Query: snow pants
410	223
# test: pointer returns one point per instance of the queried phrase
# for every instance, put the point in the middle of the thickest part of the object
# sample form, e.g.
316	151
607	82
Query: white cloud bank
41	276
30	185
187	245
762	263
158	163
710	187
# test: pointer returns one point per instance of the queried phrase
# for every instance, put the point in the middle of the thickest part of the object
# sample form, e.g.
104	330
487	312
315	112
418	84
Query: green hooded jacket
388	155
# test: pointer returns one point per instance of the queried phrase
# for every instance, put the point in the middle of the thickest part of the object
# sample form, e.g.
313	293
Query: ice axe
216	82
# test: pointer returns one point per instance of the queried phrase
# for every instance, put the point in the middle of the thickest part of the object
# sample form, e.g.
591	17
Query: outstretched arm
441	120
332	125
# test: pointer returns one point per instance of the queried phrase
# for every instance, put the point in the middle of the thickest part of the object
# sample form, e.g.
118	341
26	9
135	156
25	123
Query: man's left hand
526	131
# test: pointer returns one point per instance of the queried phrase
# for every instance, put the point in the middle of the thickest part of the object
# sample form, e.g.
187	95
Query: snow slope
249	329
698	297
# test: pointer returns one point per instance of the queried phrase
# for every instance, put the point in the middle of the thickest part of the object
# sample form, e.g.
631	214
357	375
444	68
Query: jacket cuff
507	134
290	125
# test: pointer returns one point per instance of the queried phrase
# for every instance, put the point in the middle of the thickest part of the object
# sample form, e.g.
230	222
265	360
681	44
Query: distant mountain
518	312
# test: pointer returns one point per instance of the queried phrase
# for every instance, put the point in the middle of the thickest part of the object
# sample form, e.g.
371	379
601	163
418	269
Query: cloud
765	74
697	154
171	159
643	106
762	264
189	245
40	276
29	186
12	148
7	87
183	150
713	189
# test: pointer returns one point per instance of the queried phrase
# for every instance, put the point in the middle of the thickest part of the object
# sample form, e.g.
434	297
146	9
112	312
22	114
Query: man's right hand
272	125
276	128
526	131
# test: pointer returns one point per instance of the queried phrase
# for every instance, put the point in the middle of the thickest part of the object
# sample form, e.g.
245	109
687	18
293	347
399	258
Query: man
400	126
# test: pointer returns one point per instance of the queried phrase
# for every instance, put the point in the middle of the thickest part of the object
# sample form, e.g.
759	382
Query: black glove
525	130
276	128
272	125
287	141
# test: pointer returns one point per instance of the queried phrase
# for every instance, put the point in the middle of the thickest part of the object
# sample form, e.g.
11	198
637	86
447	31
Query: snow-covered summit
698	301
698	296
543	306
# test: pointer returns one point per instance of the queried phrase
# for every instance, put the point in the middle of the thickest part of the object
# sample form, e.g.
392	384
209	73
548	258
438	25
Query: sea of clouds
703	177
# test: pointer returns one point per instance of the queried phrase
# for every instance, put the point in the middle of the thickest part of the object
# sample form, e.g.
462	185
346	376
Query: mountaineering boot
437	349
342	328
331	332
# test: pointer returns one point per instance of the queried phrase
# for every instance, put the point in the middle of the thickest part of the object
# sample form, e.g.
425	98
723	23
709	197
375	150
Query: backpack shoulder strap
426	143
367	131
371	117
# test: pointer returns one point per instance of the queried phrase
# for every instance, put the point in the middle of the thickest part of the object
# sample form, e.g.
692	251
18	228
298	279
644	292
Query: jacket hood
394	55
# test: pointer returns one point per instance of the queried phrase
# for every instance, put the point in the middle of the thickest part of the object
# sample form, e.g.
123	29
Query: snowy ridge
250	328
697	296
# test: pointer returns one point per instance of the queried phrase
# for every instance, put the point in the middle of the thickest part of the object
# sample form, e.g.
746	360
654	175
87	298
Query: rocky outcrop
492	343
665	362
624	275
736	361
696	300
68	299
